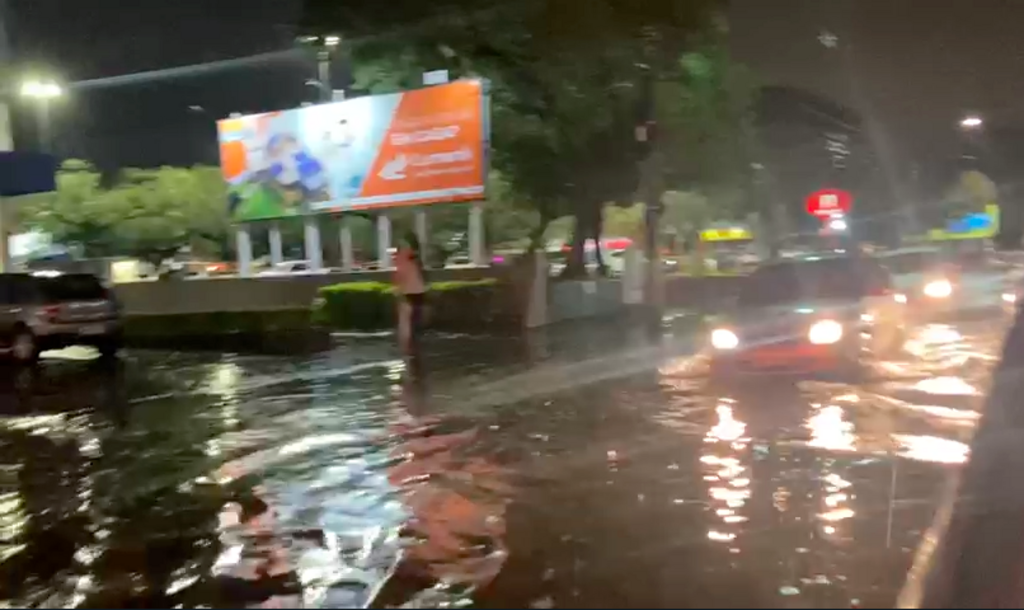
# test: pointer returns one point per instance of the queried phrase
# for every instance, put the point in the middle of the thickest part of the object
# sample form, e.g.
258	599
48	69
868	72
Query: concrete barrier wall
572	300
163	297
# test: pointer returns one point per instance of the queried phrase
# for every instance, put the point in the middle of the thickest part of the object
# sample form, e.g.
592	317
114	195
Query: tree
147	214
622	221
971	193
77	213
566	89
707	134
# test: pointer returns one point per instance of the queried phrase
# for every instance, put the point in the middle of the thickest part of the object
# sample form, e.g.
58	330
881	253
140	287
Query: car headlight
825	332
724	339
938	289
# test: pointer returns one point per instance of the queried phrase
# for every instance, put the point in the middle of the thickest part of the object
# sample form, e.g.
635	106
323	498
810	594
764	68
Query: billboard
411	148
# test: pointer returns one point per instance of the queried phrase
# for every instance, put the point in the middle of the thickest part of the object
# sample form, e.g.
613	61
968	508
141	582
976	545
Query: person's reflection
414	389
17	388
113	392
456	501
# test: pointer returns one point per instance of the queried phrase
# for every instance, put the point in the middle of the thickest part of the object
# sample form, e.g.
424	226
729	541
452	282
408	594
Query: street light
316	84
971	122
41	89
41	92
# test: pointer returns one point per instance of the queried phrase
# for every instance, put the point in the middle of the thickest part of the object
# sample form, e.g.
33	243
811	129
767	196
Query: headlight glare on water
938	289
825	332
724	339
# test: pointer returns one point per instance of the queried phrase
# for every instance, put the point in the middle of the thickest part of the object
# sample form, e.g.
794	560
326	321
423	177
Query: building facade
810	143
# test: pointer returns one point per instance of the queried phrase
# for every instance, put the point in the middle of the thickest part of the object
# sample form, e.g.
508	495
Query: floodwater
578	471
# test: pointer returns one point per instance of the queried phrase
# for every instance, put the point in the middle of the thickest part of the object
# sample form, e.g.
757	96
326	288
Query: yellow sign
730	234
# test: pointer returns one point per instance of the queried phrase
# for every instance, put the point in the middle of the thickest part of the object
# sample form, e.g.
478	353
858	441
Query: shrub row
455	305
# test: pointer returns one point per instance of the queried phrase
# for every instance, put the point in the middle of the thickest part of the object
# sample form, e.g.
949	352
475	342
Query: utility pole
650	179
323	66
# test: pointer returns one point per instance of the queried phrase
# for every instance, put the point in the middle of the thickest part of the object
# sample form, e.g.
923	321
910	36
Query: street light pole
43	119
330	43
42	93
650	179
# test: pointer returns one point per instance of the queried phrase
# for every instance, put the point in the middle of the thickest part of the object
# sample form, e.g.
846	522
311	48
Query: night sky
911	67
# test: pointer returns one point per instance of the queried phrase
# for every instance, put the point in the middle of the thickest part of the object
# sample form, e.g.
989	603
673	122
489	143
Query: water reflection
340	482
725	451
456	498
829	430
824	480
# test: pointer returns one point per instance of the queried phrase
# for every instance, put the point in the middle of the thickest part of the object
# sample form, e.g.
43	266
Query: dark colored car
45	311
816	313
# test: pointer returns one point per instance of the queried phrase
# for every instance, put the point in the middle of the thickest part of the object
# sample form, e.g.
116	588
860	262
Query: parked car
293	268
52	310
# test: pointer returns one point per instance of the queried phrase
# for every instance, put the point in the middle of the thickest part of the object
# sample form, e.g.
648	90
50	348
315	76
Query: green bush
371	305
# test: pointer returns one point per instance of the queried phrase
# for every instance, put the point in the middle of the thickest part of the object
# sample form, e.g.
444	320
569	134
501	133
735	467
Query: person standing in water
411	287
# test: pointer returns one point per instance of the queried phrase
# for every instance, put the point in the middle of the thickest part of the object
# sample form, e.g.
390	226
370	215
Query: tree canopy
570	82
148	214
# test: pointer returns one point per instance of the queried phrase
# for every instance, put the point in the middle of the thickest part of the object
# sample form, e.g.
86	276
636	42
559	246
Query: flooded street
572	471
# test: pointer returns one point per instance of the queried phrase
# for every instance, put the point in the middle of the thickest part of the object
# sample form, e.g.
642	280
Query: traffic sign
829	202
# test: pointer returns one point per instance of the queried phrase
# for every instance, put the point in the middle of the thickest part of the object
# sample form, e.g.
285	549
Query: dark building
809	143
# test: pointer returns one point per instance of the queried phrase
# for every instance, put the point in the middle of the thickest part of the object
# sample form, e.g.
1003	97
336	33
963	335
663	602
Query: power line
190	71
294	54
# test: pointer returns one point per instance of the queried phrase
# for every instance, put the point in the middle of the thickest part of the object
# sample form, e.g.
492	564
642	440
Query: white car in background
291	268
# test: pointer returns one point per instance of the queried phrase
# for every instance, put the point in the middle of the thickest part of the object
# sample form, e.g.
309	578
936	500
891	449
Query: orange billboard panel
433	149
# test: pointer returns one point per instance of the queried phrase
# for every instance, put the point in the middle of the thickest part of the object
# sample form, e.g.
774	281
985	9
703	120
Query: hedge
371	305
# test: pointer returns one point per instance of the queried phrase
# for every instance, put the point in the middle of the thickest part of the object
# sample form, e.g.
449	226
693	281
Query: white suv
50	310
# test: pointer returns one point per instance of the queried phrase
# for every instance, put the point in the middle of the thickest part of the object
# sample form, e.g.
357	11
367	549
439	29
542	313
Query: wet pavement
582	470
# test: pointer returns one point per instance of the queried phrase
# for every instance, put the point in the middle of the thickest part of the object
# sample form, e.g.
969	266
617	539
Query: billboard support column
345	235
5	237
276	247
243	246
314	251
476	234
422	234
383	241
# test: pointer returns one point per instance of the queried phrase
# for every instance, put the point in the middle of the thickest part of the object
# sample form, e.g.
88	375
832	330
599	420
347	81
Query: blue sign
25	173
970	223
